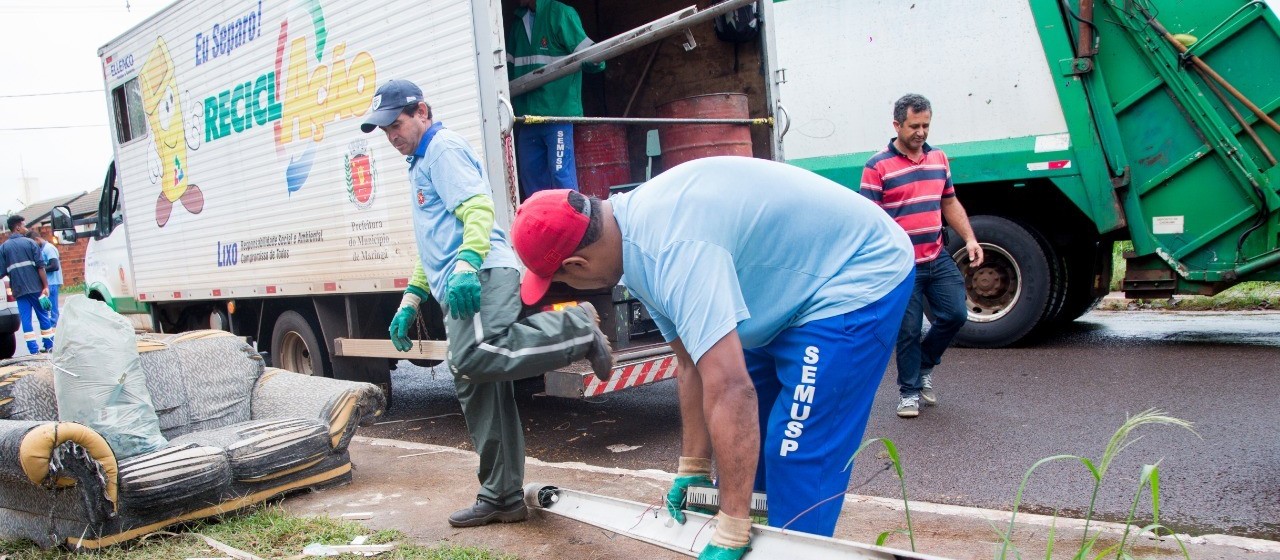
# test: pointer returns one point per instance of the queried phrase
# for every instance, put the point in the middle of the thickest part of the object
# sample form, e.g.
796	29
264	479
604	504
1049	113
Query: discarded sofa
238	433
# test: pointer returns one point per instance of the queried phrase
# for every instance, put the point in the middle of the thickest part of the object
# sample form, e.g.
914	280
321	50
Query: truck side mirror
63	224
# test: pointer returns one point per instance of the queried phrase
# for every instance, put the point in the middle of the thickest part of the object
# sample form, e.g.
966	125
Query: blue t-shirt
732	242
50	252
443	173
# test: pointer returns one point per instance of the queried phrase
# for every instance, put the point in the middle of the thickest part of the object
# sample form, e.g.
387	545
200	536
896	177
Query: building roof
81	205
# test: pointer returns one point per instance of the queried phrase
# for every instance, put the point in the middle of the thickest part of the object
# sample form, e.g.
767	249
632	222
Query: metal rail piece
652	524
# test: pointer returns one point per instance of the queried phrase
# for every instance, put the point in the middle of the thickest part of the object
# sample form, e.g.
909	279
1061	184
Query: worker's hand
464	286
716	552
975	253
400	328
45	304
679	490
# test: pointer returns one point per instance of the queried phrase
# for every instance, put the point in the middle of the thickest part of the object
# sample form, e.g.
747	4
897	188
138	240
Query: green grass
71	289
268	532
1148	491
1243	297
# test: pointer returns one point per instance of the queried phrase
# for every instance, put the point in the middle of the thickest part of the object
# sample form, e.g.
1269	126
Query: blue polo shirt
21	260
731	242
444	172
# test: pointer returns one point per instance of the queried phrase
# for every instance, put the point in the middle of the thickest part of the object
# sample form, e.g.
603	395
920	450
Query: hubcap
294	354
993	289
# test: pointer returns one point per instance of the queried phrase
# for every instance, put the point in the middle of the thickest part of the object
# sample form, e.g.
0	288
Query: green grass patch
71	289
268	532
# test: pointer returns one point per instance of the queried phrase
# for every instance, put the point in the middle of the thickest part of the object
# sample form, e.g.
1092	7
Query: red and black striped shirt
911	192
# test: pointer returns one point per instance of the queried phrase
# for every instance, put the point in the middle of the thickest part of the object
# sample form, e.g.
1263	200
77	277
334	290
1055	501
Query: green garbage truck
1070	125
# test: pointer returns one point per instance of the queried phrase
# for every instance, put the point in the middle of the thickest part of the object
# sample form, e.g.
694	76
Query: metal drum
602	157
685	142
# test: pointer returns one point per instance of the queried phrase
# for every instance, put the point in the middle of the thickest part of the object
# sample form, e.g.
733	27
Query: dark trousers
938	282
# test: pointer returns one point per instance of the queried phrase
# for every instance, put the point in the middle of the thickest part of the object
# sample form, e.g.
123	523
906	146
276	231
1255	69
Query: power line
50	127
51	93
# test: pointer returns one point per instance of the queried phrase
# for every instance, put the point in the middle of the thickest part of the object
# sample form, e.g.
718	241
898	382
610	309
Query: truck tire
295	346
1009	294
8	345
1082	267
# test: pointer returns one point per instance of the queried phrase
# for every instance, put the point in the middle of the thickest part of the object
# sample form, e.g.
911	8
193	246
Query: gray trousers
490	350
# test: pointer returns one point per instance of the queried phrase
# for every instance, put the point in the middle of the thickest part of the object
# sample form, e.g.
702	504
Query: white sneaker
927	394
909	407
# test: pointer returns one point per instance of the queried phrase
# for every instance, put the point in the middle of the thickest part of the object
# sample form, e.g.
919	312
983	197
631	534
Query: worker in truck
466	261
780	293
911	180
22	262
545	30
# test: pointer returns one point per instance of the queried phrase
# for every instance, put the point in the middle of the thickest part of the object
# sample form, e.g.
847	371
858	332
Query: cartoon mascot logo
163	107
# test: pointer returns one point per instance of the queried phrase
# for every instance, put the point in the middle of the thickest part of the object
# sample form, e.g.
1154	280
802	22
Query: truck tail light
559	306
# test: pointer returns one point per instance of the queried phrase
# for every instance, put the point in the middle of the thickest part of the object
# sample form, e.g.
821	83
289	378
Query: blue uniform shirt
50	252
20	258
731	242
443	173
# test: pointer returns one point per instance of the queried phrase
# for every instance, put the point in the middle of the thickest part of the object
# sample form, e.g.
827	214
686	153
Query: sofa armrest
60	455
342	405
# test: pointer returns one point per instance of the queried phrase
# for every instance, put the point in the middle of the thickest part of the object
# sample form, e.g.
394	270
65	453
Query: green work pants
490	350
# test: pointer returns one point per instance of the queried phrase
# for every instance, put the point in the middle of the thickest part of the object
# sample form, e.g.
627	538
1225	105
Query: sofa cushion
199	380
26	389
265	449
173	475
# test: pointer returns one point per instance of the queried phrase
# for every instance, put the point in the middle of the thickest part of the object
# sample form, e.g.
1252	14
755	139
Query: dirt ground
413	487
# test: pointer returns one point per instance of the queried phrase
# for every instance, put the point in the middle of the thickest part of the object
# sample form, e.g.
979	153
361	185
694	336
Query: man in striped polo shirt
911	180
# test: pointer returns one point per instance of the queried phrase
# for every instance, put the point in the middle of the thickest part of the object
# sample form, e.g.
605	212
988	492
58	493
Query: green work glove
45	304
464	286
677	495
405	317
716	552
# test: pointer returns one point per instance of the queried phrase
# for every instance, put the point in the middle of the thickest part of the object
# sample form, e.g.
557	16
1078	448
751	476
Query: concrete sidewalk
414	487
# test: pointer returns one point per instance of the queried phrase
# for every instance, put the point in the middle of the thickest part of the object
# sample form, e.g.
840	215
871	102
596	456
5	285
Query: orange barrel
685	142
602	157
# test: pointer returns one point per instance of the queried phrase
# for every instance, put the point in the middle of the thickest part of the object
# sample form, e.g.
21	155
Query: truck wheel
8	345
295	346
1058	281
1009	293
1082	267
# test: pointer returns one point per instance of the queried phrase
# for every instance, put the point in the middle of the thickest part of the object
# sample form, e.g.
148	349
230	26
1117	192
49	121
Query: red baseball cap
546	231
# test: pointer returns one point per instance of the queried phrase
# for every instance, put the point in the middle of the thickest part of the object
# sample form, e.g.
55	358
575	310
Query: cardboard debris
317	549
357	516
622	448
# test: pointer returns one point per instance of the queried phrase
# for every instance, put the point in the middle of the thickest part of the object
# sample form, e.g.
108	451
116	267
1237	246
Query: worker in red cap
780	292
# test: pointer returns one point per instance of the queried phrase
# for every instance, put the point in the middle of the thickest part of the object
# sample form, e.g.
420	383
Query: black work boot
601	353
484	513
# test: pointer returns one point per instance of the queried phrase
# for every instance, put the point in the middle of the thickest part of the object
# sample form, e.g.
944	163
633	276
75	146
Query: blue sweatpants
545	154
27	305
815	384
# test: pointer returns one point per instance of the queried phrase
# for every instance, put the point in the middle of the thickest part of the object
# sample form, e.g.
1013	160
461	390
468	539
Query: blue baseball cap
388	101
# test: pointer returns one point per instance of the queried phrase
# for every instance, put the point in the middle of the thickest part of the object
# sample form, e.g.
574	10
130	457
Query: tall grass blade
1150	477
1053	531
1017	497
892	449
1154	529
884	537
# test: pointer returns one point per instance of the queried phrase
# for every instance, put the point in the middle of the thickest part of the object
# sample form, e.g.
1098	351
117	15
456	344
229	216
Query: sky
52	46
50	49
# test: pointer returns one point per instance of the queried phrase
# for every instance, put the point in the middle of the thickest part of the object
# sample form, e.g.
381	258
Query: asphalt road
1000	411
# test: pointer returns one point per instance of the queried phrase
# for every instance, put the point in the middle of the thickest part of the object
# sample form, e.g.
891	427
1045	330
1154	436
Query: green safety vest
557	32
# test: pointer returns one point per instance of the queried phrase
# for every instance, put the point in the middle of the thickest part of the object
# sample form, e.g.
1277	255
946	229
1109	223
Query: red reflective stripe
271	289
330	286
177	295
401	282
217	293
